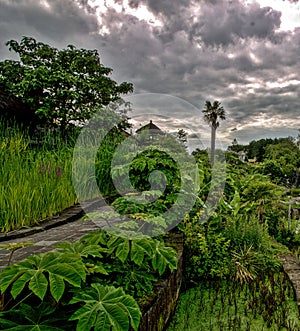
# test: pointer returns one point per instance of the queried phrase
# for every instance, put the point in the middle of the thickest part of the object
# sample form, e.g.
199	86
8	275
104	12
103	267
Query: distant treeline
279	158
265	149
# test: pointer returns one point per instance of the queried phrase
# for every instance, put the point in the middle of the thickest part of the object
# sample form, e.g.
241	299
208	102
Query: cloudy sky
246	54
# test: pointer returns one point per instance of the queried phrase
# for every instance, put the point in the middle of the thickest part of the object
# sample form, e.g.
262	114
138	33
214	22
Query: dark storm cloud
223	23
63	22
213	22
165	7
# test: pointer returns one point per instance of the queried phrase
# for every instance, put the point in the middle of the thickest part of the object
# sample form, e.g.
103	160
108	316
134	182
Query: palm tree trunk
212	146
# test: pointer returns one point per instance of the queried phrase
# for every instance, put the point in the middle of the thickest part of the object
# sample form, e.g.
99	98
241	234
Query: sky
180	53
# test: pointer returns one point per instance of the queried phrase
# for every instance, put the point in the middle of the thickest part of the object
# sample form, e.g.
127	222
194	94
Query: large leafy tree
212	113
285	153
61	86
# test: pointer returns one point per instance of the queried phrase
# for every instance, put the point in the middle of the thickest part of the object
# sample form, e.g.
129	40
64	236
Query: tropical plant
133	263
42	272
151	182
105	308
206	253
264	191
45	289
212	113
44	317
246	264
85	251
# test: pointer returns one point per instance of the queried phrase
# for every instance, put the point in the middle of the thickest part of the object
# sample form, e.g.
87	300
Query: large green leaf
40	318
11	273
57	286
163	257
42	271
120	246
105	308
19	284
140	248
38	284
123	250
80	247
95	237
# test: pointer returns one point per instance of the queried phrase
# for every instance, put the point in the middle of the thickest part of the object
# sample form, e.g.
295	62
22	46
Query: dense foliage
279	158
232	274
61	86
235	242
89	285
155	185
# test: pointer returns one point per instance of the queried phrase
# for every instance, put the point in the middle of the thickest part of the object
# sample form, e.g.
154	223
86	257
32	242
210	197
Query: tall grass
265	304
35	182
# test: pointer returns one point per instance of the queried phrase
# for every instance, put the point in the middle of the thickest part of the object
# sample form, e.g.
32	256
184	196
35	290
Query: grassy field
35	181
265	304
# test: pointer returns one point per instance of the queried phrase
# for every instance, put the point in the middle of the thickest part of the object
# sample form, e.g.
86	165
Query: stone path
68	226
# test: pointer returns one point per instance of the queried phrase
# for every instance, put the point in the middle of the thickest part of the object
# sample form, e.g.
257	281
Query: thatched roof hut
150	126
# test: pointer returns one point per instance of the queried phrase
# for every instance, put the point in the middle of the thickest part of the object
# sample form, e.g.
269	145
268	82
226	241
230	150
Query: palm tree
212	113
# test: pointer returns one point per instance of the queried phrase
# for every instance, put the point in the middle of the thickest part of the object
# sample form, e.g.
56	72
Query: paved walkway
68	226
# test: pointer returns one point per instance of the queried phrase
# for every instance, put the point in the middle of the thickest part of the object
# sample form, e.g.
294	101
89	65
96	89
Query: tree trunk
212	146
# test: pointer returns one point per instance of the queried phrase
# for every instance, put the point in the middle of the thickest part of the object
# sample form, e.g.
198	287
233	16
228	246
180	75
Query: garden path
68	226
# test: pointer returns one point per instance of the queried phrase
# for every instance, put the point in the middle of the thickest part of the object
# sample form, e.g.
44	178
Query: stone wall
291	266
166	292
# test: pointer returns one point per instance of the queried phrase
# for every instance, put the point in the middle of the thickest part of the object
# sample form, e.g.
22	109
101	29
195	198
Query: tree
286	154
181	136
61	86
212	113
234	142
236	147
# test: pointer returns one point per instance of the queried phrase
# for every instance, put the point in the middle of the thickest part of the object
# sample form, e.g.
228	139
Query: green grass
36	179
35	182
266	304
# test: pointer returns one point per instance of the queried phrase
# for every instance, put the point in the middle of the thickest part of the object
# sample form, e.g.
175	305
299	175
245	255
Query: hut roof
149	126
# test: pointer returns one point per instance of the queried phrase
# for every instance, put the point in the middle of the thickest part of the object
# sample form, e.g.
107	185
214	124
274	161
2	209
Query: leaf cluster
87	284
134	263
156	185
